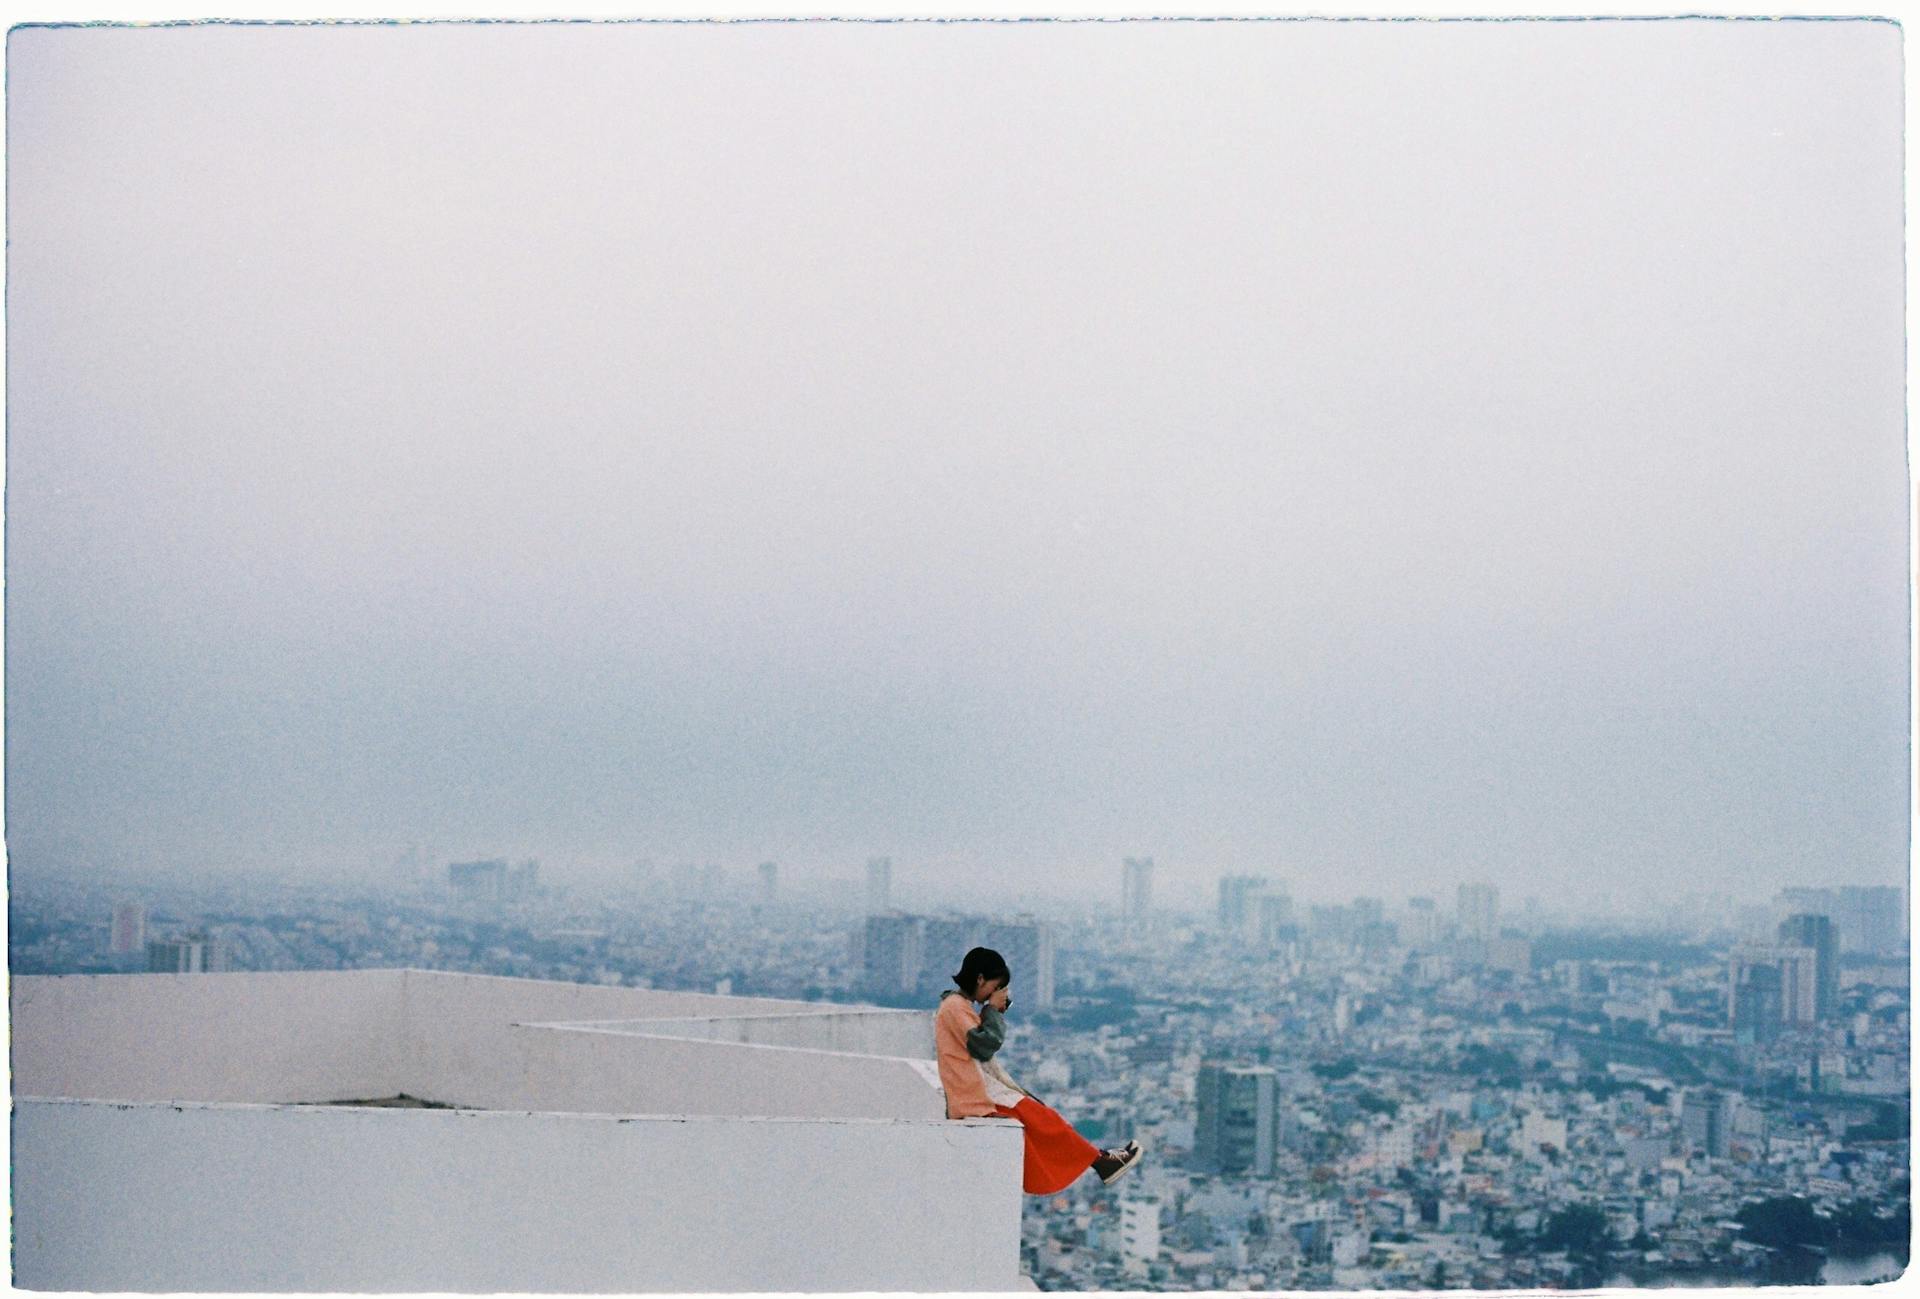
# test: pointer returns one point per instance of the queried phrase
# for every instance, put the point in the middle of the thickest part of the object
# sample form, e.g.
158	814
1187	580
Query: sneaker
1113	1164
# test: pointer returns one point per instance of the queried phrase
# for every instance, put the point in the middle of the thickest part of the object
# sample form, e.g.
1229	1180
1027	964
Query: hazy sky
1379	454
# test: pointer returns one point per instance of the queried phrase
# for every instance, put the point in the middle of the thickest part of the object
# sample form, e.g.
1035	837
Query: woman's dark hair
981	963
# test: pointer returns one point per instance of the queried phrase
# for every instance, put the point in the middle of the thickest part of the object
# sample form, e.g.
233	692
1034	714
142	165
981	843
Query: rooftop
194	1132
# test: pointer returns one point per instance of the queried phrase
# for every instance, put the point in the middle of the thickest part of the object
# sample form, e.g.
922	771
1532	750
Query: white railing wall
115	1197
308	1036
905	1034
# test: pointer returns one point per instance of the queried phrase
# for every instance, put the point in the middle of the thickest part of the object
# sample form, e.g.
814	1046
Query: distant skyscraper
1136	887
769	882
1238	905
1422	926
129	929
1818	933
480	879
892	954
946	940
903	953
879	884
1706	1120
1864	919
1276	919
1478	911
1757	1011
193	954
1028	947
1334	924
1869	919
1813	901
1799	974
1234	1122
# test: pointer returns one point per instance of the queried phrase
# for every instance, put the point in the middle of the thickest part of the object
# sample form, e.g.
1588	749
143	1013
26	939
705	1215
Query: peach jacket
973	1087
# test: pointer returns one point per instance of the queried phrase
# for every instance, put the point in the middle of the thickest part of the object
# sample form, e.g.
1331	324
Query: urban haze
1392	454
1369	559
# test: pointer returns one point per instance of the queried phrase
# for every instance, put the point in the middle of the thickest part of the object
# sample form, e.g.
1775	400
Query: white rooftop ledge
174	1133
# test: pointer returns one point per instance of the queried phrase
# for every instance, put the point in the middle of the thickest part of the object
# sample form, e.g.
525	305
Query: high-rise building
1869	919
1478	911
1234	1121
1757	1011
1421	928
1531	914
1370	928
1136	886
194	954
945	940
1028	946
1140	1230
891	956
769	882
907	953
1818	933
1799	979
1276	919
1813	901
129	929
1331	923
1239	896
879	884
1706	1120
1865	919
480	879
1025	943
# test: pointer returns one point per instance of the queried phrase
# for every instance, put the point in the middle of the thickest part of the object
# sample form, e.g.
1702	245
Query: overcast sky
1381	455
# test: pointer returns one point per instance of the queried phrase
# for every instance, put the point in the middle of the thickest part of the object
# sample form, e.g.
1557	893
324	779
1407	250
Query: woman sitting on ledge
977	1086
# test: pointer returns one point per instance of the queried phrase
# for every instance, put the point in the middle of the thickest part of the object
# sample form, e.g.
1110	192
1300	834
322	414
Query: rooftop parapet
174	1132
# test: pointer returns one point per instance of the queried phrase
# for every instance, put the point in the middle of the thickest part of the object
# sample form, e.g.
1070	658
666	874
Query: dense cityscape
1426	1092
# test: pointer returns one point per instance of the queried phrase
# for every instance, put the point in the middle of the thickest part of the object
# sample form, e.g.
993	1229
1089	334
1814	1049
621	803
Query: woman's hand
1000	1000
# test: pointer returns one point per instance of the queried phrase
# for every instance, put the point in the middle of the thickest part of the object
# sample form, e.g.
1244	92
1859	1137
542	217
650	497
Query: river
1859	1268
1849	1269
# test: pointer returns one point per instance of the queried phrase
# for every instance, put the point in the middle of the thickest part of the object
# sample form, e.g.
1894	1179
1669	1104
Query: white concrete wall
321	1036
465	1048
275	1198
588	1071
547	999
307	1036
902	1033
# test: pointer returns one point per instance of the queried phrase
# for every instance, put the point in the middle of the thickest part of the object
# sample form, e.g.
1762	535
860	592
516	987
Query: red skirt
1056	1154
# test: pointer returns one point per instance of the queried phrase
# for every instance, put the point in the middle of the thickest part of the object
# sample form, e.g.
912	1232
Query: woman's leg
1056	1154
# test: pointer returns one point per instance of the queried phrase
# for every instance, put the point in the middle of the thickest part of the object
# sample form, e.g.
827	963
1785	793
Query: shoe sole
1139	1153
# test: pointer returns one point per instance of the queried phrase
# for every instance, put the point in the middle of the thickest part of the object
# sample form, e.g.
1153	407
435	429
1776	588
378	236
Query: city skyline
1192	891
1331	1103
1357	451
